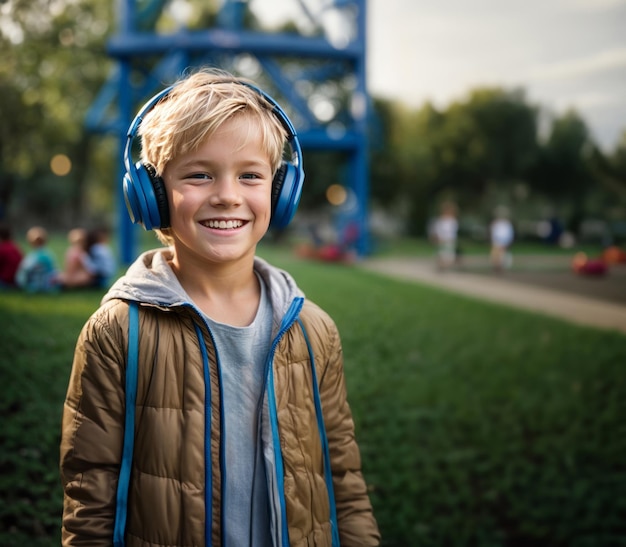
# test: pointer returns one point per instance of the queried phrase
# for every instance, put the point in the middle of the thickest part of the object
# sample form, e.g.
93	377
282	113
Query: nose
226	192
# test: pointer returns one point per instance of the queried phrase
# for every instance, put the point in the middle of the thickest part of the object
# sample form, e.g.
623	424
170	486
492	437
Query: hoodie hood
151	280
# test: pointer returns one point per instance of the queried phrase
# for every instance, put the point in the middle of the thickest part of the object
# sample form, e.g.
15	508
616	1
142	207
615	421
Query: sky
563	53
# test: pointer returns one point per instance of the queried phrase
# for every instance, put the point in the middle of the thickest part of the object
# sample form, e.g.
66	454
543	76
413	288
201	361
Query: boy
242	432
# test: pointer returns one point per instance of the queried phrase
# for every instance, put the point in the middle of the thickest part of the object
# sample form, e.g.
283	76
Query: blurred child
502	234
444	233
100	260
38	270
10	257
75	273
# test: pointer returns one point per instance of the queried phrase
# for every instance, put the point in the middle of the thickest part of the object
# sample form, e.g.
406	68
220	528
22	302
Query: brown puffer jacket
166	500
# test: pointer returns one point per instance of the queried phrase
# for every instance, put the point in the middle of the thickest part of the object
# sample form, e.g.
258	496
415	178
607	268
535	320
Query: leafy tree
617	162
418	140
563	168
489	139
609	170
52	64
386	169
563	172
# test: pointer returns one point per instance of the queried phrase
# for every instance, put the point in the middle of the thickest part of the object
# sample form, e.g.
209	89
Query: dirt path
540	284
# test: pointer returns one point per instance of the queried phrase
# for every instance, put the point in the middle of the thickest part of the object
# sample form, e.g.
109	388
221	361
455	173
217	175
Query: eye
250	178
197	178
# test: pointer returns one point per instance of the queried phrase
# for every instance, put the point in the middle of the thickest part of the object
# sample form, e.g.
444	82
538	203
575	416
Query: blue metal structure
318	76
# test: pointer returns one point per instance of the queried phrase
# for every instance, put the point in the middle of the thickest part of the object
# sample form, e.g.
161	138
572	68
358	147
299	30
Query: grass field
479	425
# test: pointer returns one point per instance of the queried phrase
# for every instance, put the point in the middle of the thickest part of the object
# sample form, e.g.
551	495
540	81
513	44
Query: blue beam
361	157
136	44
285	86
321	139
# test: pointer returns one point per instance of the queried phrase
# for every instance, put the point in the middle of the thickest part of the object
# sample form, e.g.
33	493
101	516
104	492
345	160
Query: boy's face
220	196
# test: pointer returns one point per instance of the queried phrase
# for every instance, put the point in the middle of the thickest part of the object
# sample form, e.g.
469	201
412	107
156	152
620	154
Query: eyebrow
201	162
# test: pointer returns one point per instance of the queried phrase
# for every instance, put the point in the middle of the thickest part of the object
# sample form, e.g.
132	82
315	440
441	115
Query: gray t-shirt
242	352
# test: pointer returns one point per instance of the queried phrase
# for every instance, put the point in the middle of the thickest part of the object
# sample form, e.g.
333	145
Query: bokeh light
60	165
336	194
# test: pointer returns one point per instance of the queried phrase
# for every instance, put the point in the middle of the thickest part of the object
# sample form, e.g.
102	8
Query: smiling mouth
223	224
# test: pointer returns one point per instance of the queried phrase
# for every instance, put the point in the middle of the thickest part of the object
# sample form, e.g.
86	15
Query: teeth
225	224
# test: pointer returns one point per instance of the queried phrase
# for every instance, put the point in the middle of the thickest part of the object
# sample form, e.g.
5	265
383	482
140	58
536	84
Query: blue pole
360	157
126	229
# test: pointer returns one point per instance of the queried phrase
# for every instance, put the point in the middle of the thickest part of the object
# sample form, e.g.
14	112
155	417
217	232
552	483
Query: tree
563	172
488	140
386	180
618	165
52	64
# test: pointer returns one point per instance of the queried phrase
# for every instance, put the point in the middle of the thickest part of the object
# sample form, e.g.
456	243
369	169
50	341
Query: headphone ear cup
145	196
277	186
160	198
132	200
286	192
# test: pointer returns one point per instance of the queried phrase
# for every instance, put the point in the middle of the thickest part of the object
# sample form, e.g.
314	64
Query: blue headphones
144	190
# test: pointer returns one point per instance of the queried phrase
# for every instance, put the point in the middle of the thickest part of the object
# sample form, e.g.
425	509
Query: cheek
177	200
264	205
182	201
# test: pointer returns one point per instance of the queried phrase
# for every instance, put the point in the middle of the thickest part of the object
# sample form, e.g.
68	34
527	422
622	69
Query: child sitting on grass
10	257
38	269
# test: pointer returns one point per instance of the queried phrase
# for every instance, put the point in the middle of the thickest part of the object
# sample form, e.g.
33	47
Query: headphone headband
134	126
144	190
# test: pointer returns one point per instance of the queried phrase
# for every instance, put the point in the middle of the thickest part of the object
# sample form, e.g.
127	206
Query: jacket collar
151	280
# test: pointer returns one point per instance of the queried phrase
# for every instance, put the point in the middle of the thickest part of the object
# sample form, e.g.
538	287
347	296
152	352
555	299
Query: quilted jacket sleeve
93	428
356	522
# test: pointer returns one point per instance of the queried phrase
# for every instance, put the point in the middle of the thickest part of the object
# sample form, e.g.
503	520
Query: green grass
478	424
37	337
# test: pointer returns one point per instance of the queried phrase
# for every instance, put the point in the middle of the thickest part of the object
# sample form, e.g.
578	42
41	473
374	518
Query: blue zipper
128	448
208	474
328	476
288	320
123	482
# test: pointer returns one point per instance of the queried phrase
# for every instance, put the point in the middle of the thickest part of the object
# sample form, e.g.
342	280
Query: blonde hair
195	108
